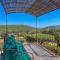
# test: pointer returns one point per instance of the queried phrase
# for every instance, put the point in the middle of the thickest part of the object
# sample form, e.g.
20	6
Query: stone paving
42	54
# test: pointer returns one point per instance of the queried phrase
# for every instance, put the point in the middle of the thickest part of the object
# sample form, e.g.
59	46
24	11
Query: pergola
34	7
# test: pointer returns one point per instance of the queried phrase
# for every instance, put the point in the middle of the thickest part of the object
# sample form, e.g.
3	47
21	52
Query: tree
33	32
23	34
57	39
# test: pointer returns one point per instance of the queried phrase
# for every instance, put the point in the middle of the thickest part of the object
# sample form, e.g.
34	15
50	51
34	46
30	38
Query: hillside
57	27
26	28
54	27
16	28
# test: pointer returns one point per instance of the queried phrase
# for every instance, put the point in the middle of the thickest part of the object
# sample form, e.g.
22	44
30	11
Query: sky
49	19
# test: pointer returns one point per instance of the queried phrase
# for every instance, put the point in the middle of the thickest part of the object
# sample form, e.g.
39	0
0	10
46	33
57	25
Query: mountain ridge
16	28
52	27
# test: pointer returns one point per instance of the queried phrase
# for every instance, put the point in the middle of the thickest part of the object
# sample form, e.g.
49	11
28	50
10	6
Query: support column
6	25
36	28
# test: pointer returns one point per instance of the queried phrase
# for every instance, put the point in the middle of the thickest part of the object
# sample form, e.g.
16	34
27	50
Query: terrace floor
39	53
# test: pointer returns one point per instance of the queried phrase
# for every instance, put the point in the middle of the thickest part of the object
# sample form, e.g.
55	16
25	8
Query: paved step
42	54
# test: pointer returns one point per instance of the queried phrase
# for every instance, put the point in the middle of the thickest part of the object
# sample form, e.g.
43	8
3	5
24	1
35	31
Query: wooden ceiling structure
34	7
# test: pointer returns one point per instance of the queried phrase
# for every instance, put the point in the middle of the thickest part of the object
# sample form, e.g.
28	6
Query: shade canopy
34	7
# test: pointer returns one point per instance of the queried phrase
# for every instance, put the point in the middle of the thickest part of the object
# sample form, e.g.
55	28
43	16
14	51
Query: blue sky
49	19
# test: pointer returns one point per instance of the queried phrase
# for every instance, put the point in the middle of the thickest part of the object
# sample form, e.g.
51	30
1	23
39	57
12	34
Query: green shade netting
14	51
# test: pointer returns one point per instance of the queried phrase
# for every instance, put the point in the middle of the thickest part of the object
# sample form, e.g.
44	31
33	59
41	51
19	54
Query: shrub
30	39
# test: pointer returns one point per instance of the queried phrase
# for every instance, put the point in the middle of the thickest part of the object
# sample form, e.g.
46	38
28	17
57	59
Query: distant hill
16	28
57	27
25	28
54	27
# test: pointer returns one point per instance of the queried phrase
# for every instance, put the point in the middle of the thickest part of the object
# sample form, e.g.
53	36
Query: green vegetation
52	46
1	46
48	37
43	36
16	28
40	37
51	30
51	42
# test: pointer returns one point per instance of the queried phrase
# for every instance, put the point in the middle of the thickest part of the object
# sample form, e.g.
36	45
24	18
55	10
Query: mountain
15	28
26	28
53	27
56	27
